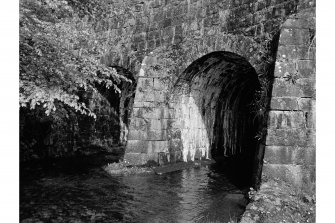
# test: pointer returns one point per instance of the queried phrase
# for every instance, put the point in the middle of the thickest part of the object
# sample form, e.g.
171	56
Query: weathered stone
310	120
145	104
306	104
296	52
159	96
299	175
284	103
149	113
306	68
159	85
284	67
290	155
294	36
148	96
139	124
290	137
158	124
160	146
298	23
238	27
157	134
301	88
286	119
137	146
136	158
145	83
137	135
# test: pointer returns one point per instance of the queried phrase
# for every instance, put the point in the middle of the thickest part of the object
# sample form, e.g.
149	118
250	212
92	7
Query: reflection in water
195	195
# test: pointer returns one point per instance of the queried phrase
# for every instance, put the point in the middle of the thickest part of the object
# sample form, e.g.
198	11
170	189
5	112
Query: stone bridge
224	78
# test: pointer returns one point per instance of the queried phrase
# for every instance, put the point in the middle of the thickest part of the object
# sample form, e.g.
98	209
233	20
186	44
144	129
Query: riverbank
279	202
123	168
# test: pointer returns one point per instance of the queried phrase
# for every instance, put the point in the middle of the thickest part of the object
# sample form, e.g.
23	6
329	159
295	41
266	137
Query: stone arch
214	86
213	111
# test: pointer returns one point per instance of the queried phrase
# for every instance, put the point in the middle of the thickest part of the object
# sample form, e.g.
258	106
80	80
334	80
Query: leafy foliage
61	47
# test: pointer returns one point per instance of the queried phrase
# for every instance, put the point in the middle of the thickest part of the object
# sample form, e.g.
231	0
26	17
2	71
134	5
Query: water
201	194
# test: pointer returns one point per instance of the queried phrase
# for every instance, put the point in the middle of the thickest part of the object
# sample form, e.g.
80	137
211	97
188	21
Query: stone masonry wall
290	143
243	27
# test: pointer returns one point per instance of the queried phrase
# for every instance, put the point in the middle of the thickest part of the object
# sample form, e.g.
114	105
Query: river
202	194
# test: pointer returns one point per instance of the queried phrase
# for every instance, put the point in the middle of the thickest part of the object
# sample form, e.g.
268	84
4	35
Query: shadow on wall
215	118
67	133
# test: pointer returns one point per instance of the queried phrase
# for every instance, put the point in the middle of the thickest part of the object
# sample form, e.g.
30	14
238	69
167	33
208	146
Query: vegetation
278	201
62	44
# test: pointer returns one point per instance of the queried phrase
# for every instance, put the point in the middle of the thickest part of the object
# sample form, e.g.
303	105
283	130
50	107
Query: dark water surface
90	195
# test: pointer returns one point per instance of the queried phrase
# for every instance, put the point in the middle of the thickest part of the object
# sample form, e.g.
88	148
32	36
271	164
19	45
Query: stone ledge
181	166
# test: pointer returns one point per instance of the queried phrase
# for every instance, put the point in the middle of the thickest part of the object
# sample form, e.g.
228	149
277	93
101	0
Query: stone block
284	103
137	134
158	134
284	67
159	96
138	104
299	23
286	119
145	104
296	52
143	96
306	104
158	124
293	36
159	146
136	158
137	146
290	137
310	120
148	113
303	87
138	124
306	68
159	85
145	83
290	155
302	176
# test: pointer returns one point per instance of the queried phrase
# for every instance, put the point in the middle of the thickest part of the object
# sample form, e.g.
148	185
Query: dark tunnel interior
223	86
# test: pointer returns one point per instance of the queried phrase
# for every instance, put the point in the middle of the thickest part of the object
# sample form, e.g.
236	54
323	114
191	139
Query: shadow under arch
120	102
213	100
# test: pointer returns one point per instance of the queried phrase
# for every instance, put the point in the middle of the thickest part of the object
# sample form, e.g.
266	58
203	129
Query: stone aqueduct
202	62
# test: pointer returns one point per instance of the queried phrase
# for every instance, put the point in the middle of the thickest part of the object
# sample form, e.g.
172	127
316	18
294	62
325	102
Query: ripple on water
192	195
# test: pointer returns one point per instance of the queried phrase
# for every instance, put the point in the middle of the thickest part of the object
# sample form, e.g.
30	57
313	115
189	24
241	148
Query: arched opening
213	99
